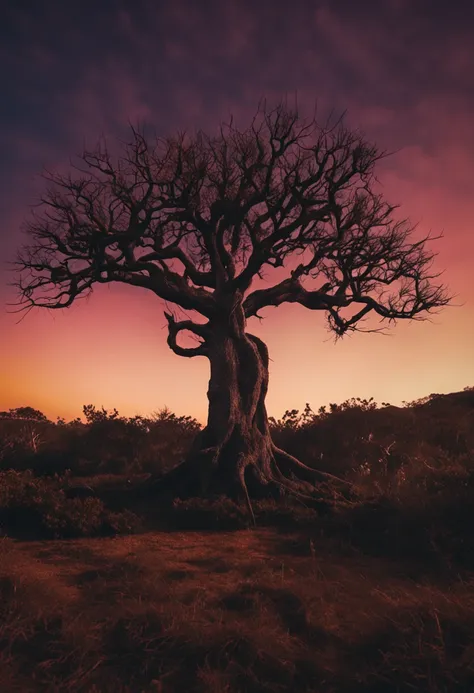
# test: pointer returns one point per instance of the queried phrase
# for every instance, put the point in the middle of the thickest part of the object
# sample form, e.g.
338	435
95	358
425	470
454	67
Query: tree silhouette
195	220
24	413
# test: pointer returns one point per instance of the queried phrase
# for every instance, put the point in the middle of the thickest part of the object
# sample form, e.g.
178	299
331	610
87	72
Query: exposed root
211	471
301	468
246	493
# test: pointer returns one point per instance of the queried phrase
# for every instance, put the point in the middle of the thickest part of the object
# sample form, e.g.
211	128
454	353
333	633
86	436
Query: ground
374	596
227	612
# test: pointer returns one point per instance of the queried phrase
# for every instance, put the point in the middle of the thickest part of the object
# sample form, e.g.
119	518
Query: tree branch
196	219
175	327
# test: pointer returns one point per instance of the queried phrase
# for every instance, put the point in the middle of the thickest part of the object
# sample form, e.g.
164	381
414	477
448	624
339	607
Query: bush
358	437
204	513
418	459
30	504
106	443
224	514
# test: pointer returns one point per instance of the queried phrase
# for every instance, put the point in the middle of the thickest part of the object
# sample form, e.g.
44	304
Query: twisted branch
174	328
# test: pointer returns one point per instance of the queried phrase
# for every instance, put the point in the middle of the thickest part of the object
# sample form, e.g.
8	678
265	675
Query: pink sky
404	76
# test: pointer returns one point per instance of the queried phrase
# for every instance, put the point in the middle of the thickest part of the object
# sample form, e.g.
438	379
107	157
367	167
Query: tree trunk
234	454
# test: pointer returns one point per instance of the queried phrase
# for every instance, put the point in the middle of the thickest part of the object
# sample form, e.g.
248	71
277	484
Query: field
376	596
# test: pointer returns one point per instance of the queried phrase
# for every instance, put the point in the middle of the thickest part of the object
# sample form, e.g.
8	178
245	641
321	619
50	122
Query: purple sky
404	71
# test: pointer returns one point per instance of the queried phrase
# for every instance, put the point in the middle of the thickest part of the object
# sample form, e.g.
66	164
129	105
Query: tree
24	413
195	219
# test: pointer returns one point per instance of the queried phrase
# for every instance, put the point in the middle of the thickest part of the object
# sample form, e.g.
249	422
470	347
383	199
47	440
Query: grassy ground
228	612
121	592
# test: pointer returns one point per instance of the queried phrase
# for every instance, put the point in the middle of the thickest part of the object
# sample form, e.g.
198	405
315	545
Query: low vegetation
106	587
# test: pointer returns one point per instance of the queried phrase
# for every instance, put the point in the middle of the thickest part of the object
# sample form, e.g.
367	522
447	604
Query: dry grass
226	612
374	598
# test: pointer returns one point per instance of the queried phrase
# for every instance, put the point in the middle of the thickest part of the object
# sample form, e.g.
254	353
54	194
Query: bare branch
195	219
175	327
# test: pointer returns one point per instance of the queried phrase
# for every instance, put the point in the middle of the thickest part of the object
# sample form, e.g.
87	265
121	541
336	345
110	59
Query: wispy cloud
402	69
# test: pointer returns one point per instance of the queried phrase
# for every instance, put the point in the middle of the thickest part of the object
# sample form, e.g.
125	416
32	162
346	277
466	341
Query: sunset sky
404	72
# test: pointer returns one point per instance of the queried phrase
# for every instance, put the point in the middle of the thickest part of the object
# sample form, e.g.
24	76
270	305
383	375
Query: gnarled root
262	470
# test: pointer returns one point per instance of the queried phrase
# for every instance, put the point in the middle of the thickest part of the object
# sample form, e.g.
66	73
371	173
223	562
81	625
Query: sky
403	71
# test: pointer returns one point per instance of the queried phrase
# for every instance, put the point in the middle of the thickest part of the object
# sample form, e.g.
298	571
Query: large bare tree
195	220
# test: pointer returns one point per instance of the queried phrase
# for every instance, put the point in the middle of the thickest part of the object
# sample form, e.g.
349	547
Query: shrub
106	443
204	513
225	514
37	505
24	413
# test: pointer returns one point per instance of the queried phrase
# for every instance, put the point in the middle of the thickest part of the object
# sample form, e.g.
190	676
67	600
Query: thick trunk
234	455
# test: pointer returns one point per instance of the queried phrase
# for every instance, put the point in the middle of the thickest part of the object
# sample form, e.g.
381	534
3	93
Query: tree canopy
195	219
24	413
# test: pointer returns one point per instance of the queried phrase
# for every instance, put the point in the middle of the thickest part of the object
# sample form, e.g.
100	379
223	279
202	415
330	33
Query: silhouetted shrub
28	413
284	513
204	513
39	506
106	443
359	438
223	513
418	458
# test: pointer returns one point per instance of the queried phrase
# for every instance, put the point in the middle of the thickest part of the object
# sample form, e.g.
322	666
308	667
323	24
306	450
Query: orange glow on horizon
110	350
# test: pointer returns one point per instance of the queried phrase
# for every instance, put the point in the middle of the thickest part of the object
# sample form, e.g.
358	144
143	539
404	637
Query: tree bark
234	455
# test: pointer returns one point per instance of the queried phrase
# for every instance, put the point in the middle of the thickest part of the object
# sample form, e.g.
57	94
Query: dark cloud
403	71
